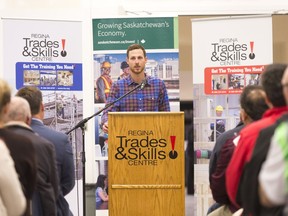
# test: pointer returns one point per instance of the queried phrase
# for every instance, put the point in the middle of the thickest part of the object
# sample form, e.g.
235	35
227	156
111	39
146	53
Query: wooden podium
146	164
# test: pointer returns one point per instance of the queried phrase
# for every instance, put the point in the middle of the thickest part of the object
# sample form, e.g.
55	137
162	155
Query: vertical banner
48	54
111	38
229	53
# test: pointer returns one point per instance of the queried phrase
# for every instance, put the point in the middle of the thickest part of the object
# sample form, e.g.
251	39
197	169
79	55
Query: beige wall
280	38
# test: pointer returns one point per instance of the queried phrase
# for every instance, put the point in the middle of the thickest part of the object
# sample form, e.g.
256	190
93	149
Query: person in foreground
270	81
12	199
21	150
152	97
253	105
63	147
17	119
273	174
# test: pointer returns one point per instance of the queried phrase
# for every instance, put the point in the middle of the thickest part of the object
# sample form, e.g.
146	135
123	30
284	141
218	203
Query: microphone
143	84
83	121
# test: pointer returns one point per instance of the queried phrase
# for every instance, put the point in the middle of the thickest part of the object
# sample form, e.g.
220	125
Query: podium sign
146	164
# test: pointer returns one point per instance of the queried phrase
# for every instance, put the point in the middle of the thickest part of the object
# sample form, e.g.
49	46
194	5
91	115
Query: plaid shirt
153	97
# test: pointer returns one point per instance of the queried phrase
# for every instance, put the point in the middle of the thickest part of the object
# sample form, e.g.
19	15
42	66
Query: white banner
48	54
230	41
229	53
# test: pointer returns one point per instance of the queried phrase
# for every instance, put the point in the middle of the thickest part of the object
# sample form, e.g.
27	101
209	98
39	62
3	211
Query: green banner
119	33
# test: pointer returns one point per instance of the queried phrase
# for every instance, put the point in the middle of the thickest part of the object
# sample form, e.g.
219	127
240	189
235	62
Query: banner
229	53
47	54
111	38
230	47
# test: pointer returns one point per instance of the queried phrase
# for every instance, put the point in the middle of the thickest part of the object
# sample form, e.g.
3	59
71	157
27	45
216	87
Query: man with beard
151	97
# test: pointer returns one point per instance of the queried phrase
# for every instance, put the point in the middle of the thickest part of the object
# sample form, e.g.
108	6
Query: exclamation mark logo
173	154
63	52
252	55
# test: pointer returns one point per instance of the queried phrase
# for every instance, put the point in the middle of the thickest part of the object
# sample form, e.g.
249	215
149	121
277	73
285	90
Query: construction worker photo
103	83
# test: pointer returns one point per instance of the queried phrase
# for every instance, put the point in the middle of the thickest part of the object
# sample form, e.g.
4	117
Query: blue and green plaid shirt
152	98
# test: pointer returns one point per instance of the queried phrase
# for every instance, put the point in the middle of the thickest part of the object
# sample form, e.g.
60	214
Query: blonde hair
5	94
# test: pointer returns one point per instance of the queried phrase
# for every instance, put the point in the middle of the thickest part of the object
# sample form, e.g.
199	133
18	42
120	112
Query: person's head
136	58
105	68
271	82
125	68
34	97
18	110
219	110
101	181
284	83
5	96
253	103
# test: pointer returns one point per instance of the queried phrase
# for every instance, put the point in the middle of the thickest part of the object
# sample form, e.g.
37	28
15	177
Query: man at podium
150	96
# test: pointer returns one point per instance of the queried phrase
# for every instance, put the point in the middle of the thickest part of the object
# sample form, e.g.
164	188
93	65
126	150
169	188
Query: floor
190	209
76	207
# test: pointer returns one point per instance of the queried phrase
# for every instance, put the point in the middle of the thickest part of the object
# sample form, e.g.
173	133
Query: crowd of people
247	170
37	168
248	165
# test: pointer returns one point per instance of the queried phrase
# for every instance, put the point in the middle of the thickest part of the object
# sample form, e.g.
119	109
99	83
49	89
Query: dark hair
34	97
124	65
135	46
271	82
100	181
252	101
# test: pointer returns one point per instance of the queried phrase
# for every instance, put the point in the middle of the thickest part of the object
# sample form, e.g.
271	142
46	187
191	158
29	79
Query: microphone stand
82	123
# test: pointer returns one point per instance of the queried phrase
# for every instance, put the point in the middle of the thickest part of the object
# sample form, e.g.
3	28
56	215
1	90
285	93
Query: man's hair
271	82
34	97
135	46
5	94
252	101
18	110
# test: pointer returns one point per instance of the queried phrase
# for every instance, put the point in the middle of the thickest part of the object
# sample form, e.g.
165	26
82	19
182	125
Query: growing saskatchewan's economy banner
111	38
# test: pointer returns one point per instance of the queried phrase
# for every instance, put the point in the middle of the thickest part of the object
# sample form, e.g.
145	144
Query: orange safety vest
107	83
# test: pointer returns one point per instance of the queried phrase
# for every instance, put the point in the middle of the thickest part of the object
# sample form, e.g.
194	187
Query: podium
146	164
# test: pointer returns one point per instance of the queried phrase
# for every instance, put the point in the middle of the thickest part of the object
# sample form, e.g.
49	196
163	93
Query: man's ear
42	107
267	101
243	115
28	120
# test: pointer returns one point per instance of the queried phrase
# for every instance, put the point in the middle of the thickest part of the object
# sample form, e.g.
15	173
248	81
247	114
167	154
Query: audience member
253	105
21	149
63	147
100	193
18	119
12	199
153	97
270	79
103	83
273	174
248	187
